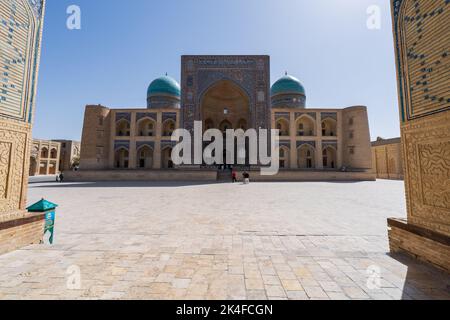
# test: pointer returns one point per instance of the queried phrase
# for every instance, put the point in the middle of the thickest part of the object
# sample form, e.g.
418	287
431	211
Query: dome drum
159	102
289	101
288	92
164	92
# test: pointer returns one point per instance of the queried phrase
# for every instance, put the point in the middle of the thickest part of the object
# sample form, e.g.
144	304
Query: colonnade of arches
145	158
46	154
306	157
305	126
145	127
225	125
45	167
43	161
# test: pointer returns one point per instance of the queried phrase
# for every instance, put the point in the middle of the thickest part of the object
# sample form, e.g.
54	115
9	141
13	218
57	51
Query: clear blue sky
124	45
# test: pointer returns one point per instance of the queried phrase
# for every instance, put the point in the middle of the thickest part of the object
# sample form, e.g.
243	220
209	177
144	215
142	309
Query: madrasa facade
225	92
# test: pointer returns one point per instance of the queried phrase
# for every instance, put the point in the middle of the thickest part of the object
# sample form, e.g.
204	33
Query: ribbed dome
164	86
287	85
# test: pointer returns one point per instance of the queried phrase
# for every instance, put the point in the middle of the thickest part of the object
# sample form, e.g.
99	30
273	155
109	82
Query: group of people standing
245	177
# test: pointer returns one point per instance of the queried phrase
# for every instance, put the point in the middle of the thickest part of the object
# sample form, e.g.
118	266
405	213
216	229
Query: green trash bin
48	209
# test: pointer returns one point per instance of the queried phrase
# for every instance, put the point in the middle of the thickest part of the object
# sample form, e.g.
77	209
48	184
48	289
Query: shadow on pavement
421	280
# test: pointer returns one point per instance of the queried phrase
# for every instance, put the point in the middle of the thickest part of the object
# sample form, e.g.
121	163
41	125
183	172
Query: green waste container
49	209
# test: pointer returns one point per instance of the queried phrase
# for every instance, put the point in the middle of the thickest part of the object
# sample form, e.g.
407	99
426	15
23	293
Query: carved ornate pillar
421	43
23	30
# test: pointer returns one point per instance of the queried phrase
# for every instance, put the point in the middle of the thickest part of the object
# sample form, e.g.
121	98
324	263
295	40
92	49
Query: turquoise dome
287	85
164	86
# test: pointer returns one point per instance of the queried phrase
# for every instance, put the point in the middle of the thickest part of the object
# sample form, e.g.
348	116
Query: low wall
420	243
390	176
304	175
211	175
141	175
21	230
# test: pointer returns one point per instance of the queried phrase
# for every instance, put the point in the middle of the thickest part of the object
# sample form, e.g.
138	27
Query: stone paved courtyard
134	240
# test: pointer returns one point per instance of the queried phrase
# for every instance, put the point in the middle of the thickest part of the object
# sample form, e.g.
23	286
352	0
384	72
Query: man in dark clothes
246	176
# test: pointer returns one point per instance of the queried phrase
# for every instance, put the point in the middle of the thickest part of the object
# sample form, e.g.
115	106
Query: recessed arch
144	157
166	158
225	100
168	127
54	153
214	83
306	157
44	153
329	127
121	158
282	125
225	125
284	154
305	126
329	157
146	127
123	128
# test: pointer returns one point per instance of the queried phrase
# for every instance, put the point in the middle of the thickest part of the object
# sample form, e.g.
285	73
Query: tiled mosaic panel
425	27
16	36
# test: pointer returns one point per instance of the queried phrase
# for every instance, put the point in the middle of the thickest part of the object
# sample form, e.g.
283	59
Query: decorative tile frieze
142	115
121	144
123	115
310	143
330	115
311	114
169	116
140	144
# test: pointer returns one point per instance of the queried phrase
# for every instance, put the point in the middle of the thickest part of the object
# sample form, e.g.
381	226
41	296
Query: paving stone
271	280
181	283
355	293
256	294
337	295
315	292
330	286
254	284
292	285
297	295
275	291
204	246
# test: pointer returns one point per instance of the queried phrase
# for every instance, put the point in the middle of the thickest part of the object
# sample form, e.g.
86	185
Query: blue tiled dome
287	85
164	86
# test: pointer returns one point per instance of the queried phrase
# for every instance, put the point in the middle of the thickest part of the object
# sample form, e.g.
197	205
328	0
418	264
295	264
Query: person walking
246	176
61	177
234	176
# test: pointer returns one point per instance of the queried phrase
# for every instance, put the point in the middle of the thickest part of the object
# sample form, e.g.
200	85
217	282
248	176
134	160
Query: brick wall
96	138
387	159
423	247
356	138
19	233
